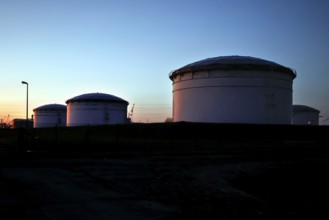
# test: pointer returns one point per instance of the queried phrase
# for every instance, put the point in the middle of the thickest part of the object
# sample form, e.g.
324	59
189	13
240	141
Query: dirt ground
211	185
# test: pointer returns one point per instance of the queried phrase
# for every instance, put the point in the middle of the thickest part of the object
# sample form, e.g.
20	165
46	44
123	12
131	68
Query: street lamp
27	103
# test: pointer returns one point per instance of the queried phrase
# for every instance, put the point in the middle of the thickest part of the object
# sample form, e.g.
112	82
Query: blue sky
65	48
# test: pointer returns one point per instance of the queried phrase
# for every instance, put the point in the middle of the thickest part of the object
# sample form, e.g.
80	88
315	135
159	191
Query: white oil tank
305	115
233	89
51	115
96	109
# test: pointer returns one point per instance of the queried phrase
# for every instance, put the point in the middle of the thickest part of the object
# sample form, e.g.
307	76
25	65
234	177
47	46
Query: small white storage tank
233	89
96	109
305	115
51	115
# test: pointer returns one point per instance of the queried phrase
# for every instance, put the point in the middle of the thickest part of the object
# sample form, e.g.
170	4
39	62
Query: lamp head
23	82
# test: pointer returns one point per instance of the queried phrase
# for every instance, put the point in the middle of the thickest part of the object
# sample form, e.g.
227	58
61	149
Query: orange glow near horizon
14	110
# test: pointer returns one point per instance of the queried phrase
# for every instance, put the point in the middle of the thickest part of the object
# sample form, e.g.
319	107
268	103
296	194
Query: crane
131	112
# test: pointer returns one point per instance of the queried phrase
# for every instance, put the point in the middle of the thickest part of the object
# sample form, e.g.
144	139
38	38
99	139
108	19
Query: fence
12	139
164	137
178	136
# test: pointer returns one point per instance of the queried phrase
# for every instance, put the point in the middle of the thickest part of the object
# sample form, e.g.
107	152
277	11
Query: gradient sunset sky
65	48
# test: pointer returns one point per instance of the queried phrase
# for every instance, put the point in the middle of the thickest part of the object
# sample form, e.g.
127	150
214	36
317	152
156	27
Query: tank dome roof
96	97
51	107
304	108
231	63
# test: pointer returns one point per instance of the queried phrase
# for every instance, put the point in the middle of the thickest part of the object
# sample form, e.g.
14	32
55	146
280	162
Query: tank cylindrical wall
96	113
305	118
233	96
50	118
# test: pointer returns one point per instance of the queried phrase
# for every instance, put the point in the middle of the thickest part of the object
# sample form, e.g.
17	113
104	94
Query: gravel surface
164	186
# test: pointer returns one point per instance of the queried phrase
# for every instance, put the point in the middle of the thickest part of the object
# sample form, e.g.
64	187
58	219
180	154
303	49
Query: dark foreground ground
268	183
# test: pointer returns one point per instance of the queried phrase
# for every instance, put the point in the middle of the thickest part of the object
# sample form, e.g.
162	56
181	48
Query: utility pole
27	109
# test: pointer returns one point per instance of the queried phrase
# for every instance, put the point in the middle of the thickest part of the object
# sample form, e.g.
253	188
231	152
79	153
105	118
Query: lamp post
27	103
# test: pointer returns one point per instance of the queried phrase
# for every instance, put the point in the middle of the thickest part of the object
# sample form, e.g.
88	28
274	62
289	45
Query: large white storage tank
305	115
50	115
233	89
96	109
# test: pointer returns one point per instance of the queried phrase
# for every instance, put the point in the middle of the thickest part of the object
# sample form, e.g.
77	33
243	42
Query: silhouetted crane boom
131	112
